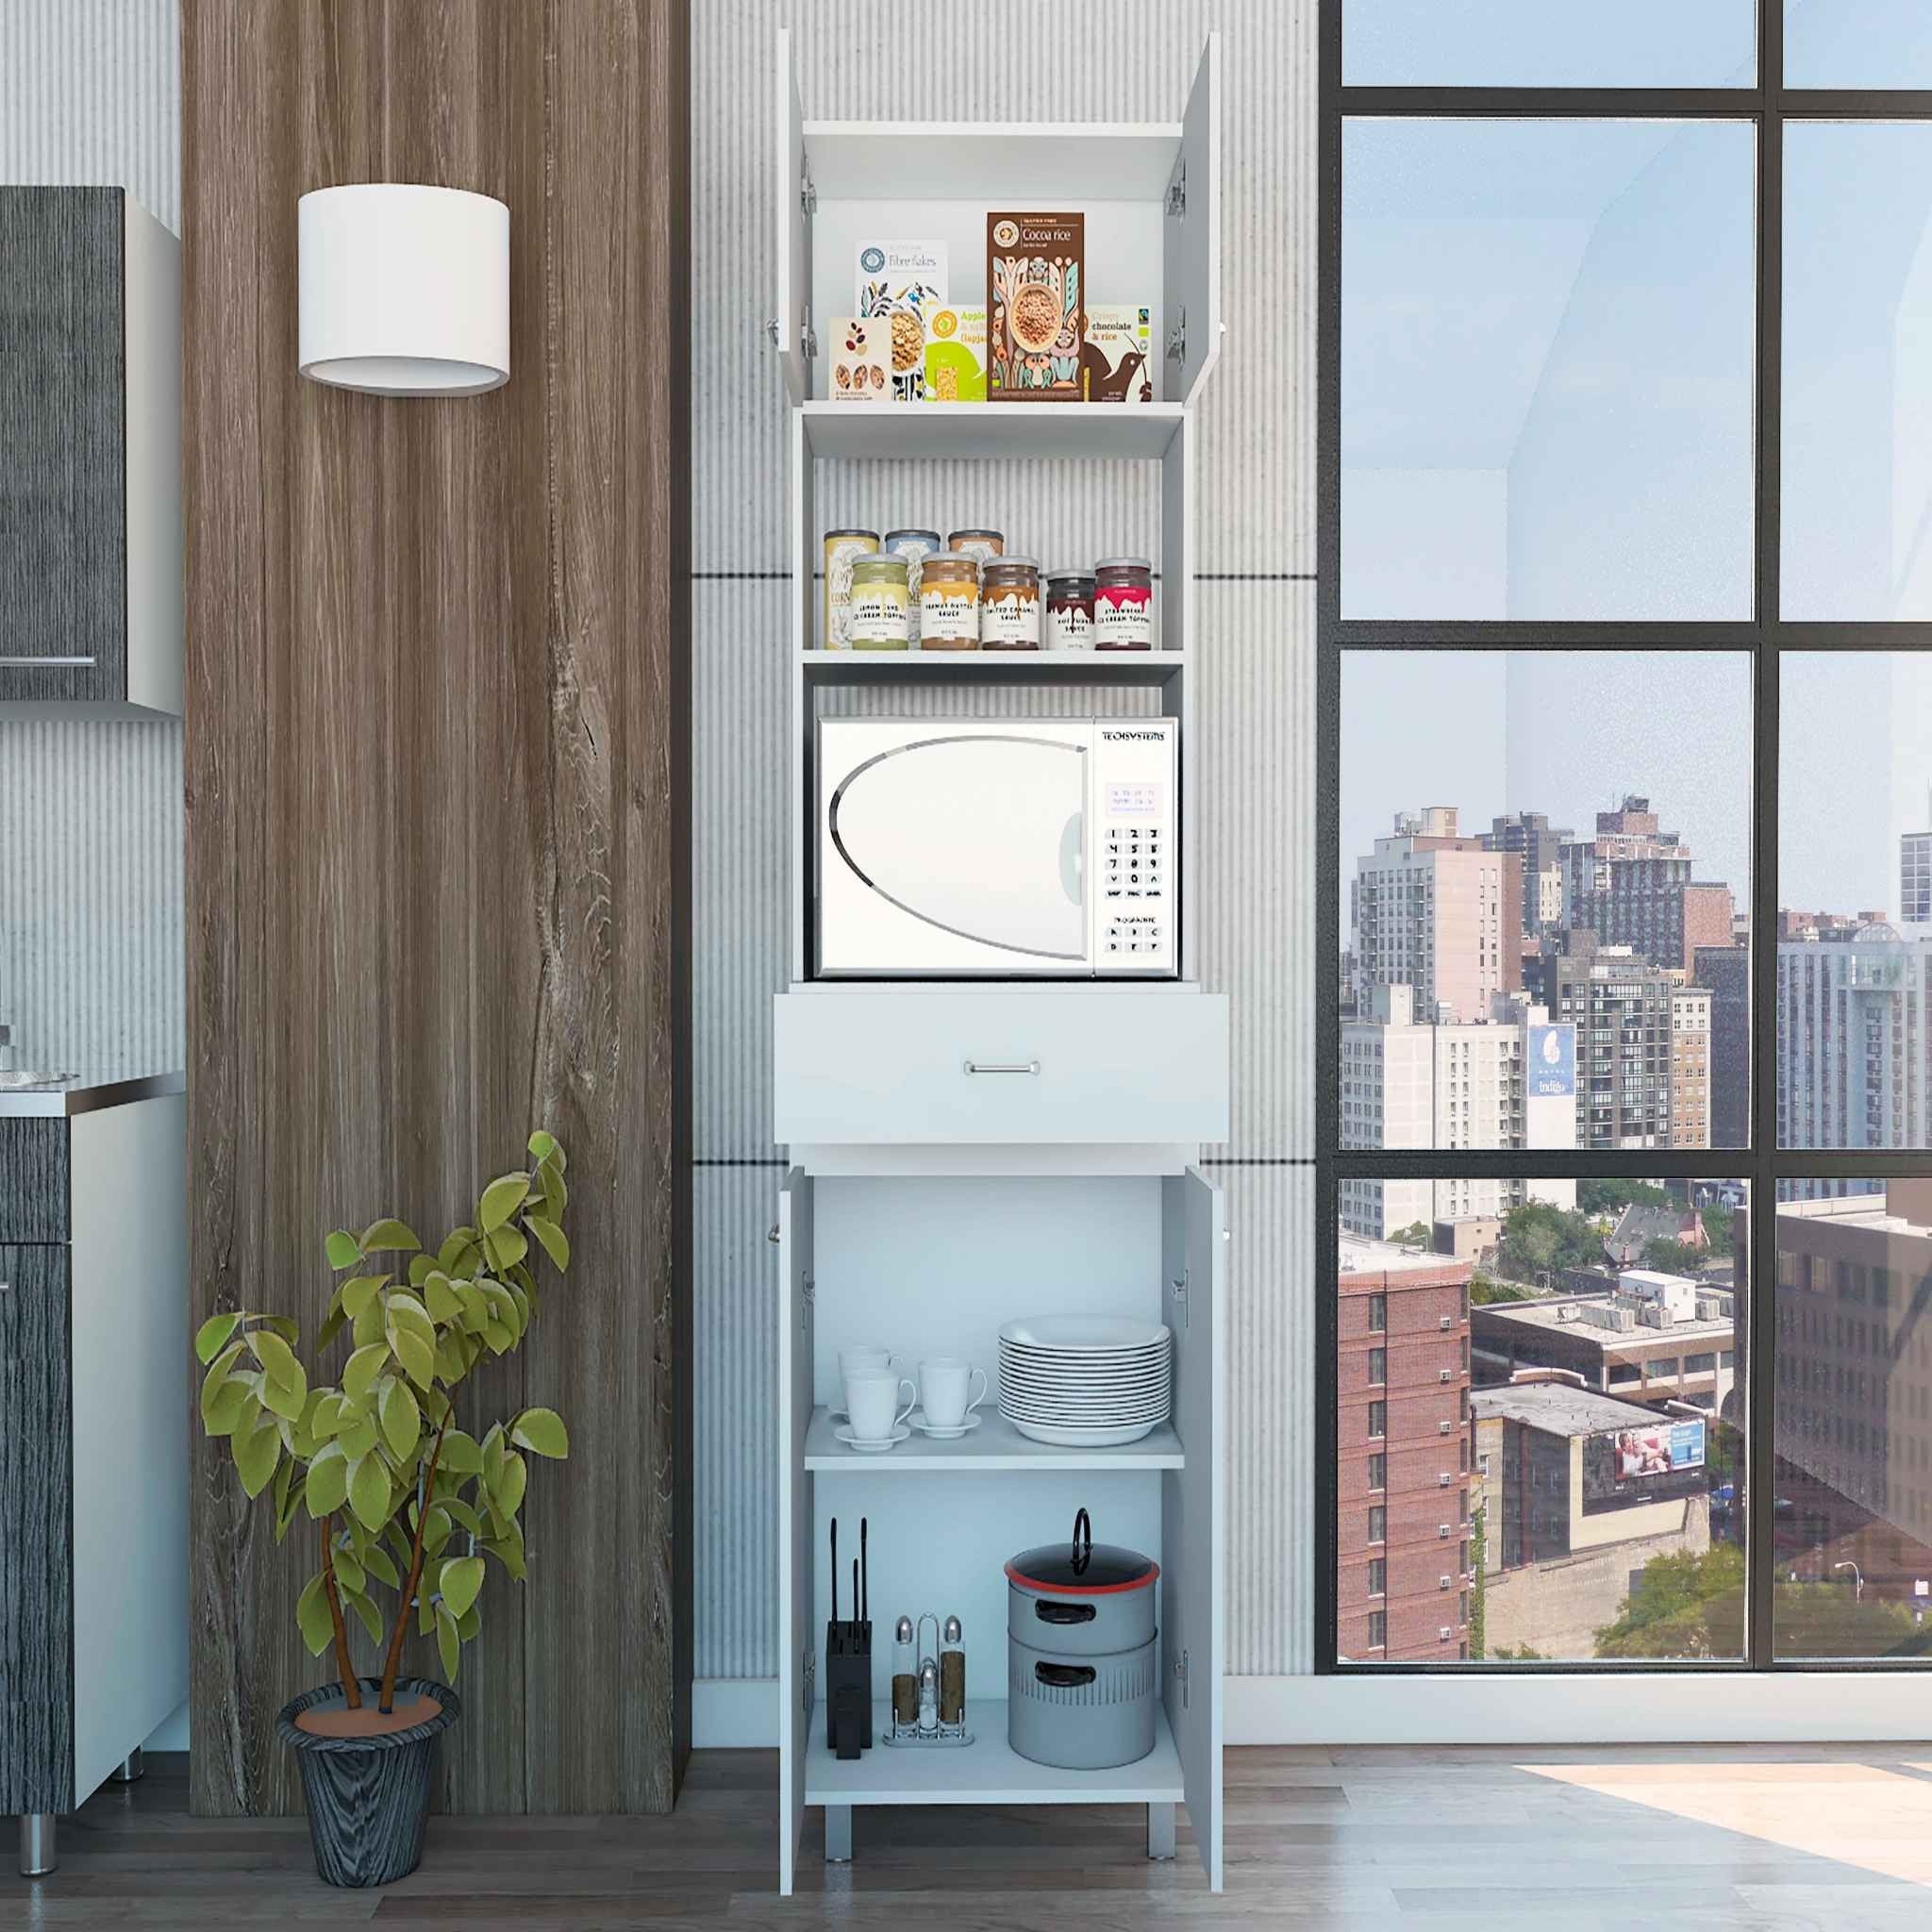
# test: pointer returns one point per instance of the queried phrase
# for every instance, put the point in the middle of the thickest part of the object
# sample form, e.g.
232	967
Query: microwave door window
970	835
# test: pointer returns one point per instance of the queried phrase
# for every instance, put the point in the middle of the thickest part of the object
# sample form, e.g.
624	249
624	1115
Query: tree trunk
345	1664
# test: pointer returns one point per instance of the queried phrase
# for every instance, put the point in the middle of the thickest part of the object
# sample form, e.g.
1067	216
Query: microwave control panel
1132	826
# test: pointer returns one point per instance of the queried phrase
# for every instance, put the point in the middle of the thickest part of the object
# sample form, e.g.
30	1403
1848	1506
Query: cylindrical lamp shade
405	291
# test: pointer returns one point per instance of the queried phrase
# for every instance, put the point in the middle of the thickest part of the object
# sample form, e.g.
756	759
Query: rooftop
1361	1255
1870	1211
1558	1410
1562	1312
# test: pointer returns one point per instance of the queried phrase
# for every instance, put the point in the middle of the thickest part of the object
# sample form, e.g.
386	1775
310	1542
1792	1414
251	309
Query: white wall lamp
404	291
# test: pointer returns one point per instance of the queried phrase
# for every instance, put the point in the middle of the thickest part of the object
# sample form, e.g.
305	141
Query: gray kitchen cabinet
96	1390
91	575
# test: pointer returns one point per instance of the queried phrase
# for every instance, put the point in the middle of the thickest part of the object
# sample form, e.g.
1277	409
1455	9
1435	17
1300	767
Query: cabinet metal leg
838	1834
37	1854
1160	1831
131	1769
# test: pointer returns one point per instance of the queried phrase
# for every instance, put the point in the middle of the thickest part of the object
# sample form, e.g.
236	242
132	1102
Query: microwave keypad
1135	866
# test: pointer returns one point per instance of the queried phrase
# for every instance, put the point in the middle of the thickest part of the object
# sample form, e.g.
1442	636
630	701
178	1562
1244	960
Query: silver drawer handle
47	663
1002	1066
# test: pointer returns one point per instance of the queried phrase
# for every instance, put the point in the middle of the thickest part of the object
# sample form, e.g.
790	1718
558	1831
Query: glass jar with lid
915	546
881	604
949	603
1010	603
977	544
1124	604
1069	609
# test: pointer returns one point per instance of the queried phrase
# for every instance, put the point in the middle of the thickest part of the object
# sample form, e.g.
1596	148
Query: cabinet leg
37	1854
1160	1831
838	1834
130	1771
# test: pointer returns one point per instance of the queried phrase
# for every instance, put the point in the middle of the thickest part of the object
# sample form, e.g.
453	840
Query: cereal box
859	369
1036	294
906	281
956	356
1118	356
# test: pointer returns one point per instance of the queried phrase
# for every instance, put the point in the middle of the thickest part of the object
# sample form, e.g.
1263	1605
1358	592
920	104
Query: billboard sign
1623	1468
1552	1070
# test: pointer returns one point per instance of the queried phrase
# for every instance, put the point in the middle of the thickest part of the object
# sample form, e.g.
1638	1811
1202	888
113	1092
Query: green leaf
417	1356
509	1494
452	1252
217	1377
363	1367
329	1481
349	1572
439	1297
449	1642
389	1235
471	1622
509	1551
361	1294
213	1336
368	1328
284	1476
344	1250
369	1490
505	1246
501	1199
311	1614
285	1325
223	1415
405	1311
542	1143
495	1449
255	1455
461	1454
436	1529
359	1438
402	1422
333	1327
376	1560
328	1416
285	1515
371	1616
284	1401
461	1581
555	1244
460	1511
276	1358
542	1431
420	1267
475	1306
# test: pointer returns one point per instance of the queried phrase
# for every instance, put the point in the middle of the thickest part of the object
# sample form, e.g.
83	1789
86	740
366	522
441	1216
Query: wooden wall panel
437	743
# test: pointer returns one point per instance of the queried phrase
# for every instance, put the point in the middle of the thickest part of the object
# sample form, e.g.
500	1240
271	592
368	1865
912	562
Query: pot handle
1064	1676
1049	1612
1083	1543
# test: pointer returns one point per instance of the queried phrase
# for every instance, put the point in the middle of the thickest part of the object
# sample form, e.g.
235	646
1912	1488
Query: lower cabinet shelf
995	1444
986	1771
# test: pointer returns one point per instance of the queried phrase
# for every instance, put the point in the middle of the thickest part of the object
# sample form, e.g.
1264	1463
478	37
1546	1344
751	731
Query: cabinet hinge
807	1676
1180	1671
777	341
1177	192
807	342
806	1306
1177	339
808	195
1180	1296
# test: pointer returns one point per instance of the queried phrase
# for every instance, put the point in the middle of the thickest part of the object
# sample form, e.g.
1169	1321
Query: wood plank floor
1836	1838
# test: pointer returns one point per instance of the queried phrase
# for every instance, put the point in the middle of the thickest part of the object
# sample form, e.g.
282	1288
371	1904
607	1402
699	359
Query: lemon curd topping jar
949	603
881	604
1010	603
842	548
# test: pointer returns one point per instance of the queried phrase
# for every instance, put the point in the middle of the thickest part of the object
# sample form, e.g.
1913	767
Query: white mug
872	1400
858	1361
944	1386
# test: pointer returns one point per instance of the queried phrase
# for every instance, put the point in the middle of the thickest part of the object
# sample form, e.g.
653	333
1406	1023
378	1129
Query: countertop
86	1093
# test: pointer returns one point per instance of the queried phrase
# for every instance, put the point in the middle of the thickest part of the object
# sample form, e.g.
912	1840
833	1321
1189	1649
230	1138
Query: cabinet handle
47	663
1002	1066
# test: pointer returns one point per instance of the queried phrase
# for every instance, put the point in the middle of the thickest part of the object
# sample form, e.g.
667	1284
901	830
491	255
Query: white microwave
1010	848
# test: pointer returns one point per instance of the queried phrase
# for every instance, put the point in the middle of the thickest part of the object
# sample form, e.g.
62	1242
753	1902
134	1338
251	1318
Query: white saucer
938	1435
873	1447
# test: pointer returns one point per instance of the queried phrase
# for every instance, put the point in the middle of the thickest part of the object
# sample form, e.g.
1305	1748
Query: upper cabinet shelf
1149	193
991	430
91	427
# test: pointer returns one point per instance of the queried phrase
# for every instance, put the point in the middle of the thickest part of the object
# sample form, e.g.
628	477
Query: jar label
1071	627
1009	617
1123	614
880	614
950	611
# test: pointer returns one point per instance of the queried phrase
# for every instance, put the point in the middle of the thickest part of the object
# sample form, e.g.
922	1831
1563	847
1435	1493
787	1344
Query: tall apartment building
1511	1084
1854	1051
1530	835
1725	972
1915	879
1855	1387
1402	1475
1635	1029
1691	1067
1631	886
1435	911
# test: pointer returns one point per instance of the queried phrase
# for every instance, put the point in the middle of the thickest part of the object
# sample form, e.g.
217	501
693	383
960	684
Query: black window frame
1766	105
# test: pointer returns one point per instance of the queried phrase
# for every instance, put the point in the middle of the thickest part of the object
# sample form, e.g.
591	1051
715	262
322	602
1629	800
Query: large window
1625	607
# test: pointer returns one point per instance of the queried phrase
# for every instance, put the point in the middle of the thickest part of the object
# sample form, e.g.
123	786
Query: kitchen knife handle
1064	1613
1064	1676
1002	1066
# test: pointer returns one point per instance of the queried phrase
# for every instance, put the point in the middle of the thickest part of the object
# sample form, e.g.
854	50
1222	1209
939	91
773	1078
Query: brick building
1401	1481
1631	886
1540	844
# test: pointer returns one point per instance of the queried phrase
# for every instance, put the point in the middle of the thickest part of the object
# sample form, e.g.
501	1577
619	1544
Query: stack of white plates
1085	1381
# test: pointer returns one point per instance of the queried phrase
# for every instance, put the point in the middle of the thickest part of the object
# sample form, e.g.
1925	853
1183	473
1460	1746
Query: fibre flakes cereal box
1036	308
905	281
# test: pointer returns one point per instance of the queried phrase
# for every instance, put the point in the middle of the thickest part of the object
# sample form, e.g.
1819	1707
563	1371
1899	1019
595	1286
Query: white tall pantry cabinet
931	1199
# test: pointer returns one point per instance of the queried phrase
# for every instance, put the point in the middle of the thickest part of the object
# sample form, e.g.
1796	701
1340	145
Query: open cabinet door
792	200
1190	282
1192	1502
796	1654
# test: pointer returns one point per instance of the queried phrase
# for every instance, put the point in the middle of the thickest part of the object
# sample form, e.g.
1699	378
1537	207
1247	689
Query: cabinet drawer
33	1179
905	1066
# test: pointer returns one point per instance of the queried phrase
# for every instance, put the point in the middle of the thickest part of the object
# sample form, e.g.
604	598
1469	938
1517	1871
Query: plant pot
368	1796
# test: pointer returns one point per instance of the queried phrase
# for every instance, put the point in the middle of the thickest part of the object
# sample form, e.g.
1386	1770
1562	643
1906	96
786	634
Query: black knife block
848	1688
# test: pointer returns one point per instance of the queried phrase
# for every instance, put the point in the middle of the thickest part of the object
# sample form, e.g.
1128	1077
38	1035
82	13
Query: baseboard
1656	1708
734	1713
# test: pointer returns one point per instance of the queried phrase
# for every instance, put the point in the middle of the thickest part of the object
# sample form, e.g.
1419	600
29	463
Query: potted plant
398	1498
